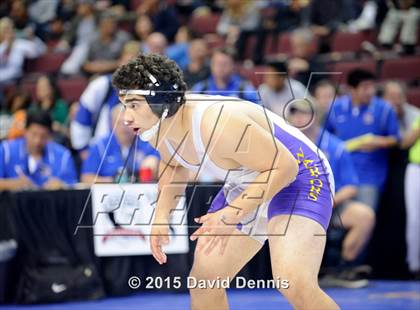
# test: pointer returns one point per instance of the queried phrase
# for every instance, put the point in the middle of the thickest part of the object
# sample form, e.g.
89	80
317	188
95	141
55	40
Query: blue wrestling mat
404	295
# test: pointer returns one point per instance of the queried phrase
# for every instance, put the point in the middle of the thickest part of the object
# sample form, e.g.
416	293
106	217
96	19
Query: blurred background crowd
357	60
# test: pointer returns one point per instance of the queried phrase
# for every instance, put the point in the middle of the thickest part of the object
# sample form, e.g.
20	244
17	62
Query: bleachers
405	69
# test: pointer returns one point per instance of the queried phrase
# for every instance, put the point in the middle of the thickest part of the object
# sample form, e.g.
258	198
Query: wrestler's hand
216	230
159	237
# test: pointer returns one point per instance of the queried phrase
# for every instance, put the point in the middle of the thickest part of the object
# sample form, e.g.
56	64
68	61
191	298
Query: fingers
200	232
204	218
223	245
156	243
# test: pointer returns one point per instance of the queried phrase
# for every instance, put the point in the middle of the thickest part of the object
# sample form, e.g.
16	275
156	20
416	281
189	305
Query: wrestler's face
137	113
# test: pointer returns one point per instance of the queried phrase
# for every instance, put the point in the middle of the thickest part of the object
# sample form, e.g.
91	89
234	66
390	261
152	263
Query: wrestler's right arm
172	183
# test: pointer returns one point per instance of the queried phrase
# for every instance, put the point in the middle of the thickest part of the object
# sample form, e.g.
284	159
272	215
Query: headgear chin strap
150	133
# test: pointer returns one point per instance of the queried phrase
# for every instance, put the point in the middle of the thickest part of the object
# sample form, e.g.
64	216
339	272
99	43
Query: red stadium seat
48	63
283	44
413	96
29	85
254	74
340	70
407	69
349	42
134	4
72	88
203	24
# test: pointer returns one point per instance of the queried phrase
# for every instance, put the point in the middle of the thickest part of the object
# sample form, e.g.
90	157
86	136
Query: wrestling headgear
163	98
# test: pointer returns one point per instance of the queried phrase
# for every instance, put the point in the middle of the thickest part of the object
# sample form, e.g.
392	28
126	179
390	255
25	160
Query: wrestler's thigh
239	250
296	248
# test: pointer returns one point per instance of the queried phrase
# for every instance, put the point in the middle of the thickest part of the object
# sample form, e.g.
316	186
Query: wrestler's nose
128	118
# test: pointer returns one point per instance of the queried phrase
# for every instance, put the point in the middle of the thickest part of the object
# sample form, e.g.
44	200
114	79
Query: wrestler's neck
175	128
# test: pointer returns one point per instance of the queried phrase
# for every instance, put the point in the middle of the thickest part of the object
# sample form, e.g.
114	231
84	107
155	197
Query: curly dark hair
133	75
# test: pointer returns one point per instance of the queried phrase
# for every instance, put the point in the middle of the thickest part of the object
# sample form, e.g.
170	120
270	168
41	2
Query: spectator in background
402	14
223	80
409	120
35	161
367	17
81	28
352	222
326	17
324	93
111	160
157	44
278	89
240	19
374	123
42	12
198	68
24	26
162	15
303	64
47	98
105	48
287	16
80	32
93	114
394	93
143	28
13	52
18	102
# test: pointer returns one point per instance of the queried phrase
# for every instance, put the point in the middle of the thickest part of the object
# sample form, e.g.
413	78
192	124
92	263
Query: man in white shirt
13	51
278	88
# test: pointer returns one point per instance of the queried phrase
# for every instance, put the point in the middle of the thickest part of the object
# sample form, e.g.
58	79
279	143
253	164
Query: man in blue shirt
224	81
110	158
352	221
93	116
35	161
361	113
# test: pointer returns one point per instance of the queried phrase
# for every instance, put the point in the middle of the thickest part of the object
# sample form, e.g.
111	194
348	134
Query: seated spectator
326	17
409	120
13	52
287	16
106	46
80	31
352	220
81	28
198	68
42	12
162	15
303	64
278	89
362	115
366	19
111	160
22	22
18	104
143	28
240	19
47	98
223	80
93	114
35	161
156	43
404	14
324	93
